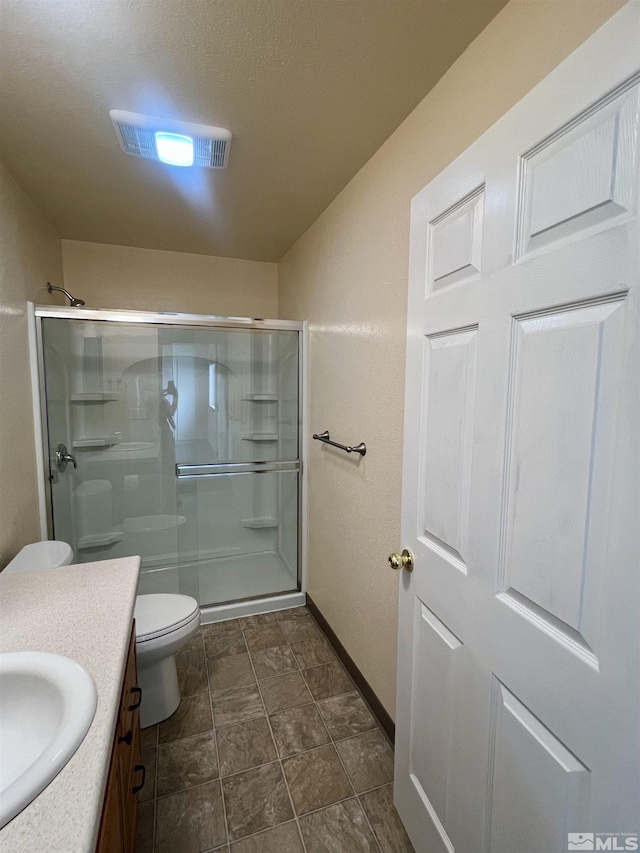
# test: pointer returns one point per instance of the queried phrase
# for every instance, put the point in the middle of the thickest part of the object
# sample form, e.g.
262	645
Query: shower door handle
216	469
63	457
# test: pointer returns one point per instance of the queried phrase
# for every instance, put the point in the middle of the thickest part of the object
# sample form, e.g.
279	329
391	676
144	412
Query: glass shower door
185	443
237	461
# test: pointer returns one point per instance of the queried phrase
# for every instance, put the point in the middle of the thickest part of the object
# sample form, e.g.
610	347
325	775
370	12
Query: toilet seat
160	614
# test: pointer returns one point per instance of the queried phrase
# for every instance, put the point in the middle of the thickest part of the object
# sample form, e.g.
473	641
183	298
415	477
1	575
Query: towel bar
326	439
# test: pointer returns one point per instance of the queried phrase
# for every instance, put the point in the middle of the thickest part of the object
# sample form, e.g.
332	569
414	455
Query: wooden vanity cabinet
126	774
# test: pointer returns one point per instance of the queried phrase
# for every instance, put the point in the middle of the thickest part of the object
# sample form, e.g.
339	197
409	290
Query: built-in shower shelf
94	398
262	398
99	540
259	436
260	523
102	441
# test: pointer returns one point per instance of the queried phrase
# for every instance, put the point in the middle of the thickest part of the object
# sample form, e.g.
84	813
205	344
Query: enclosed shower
176	438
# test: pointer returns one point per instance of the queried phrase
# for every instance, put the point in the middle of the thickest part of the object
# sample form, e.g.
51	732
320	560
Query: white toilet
164	624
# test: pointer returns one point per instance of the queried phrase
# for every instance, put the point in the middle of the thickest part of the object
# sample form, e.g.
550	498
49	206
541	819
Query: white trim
303	451
37	420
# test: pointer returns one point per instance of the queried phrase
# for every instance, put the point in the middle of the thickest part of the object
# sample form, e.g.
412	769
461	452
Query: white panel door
519	691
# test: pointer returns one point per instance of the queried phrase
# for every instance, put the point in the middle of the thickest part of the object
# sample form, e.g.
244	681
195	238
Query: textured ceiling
309	88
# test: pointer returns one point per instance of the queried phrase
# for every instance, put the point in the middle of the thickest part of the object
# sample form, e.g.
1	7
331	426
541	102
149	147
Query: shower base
237	585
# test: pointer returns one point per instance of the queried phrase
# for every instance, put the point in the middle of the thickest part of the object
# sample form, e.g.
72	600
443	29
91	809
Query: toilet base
160	691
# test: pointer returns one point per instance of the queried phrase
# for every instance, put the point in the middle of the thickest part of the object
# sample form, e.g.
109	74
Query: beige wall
348	276
107	276
29	257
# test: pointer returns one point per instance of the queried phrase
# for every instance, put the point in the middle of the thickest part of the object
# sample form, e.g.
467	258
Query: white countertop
84	612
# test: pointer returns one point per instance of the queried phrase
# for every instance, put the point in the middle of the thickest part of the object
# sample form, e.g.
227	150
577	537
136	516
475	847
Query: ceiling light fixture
174	142
174	149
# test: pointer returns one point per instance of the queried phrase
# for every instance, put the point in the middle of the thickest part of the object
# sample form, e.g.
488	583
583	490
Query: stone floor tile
297	630
144	830
227	643
341	828
293	613
383	817
211	628
327	680
193	680
190	821
192	653
298	729
285	691
255	800
313	652
316	779
274	661
282	839
346	715
230	671
368	760
186	762
236	705
192	717
264	637
258	619
244	746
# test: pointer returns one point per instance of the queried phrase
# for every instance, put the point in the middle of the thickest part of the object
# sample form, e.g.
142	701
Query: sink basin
47	703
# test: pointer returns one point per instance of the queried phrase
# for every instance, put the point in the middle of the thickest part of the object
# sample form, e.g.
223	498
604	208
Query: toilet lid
49	554
161	613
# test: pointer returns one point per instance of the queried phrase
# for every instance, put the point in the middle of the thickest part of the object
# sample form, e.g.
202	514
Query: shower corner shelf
261	398
105	397
101	441
99	540
260	523
259	436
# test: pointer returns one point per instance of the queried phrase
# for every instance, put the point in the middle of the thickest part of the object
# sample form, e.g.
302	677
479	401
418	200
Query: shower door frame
210	613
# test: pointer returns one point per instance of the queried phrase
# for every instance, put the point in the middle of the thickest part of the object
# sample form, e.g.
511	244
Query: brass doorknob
401	561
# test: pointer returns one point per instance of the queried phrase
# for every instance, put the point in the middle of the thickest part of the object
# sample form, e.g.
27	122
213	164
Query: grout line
375	728
292	708
153	827
284	777
266	764
224	805
366	817
215	738
337	751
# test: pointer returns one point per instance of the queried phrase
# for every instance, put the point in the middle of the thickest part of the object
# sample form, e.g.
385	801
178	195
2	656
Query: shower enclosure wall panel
159	412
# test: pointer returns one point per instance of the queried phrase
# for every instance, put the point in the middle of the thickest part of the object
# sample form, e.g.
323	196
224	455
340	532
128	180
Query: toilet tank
41	555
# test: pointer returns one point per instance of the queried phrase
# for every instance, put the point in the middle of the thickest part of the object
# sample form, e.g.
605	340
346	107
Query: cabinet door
110	836
128	750
130	701
131	777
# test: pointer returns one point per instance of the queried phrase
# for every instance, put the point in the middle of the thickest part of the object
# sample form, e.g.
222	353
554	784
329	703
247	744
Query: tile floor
272	750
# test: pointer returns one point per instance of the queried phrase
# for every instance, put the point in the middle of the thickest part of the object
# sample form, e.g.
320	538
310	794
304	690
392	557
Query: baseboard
376	706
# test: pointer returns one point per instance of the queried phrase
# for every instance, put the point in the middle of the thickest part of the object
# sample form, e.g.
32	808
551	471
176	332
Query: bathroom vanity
84	612
126	772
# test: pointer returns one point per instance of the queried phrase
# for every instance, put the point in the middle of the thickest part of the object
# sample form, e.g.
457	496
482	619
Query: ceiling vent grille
137	135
